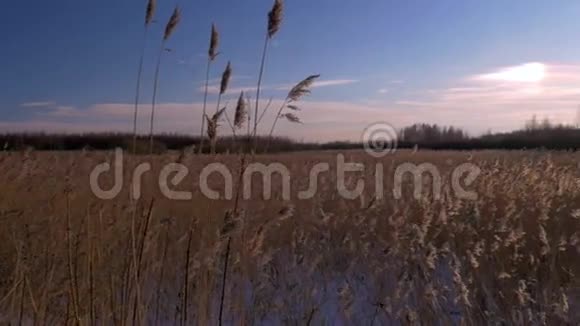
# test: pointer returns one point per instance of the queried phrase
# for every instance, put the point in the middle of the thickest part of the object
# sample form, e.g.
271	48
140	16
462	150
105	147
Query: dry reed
149	15
493	260
274	23
241	112
295	94
169	29
212	55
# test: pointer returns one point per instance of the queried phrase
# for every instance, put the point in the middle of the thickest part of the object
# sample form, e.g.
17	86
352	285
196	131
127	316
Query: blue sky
71	65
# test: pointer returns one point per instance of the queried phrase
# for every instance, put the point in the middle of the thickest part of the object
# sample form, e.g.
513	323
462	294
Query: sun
534	72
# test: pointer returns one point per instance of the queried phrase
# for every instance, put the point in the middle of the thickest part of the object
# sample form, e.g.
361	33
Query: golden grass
509	257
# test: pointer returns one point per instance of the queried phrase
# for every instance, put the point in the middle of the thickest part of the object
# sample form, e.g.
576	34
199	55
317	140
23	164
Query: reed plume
241	114
212	125
169	29
213	43
275	18
274	23
212	54
149	15
227	74
291	117
301	89
295	94
240	117
211	128
172	24
150	12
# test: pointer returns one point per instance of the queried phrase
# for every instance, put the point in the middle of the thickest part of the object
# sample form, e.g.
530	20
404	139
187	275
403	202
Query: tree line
534	135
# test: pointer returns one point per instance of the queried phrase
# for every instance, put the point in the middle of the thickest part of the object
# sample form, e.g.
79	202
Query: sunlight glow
527	73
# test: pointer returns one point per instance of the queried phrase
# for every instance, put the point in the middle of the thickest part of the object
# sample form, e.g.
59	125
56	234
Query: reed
161	272
241	112
229	226
137	303
274	23
240	115
73	285
213	123
186	268
295	94
149	15
491	260
169	29
212	128
212	55
225	81
90	269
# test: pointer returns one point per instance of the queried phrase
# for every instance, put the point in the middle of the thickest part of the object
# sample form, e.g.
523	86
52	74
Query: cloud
505	98
335	82
43	104
323	120
383	91
476	104
214	88
533	72
320	83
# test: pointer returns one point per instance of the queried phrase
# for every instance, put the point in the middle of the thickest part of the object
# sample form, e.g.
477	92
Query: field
509	256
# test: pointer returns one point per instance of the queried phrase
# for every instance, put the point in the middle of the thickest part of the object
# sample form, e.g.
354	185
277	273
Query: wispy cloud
39	104
321	83
323	120
477	104
335	82
383	91
214	88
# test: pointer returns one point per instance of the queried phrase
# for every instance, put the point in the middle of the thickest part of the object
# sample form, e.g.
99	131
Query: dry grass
509	257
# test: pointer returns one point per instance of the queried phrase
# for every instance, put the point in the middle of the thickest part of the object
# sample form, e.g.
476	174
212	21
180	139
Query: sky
71	66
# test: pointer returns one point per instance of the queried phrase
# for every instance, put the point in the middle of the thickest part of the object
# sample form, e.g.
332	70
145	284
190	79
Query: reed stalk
161	274
185	302
169	29
73	288
212	54
149	14
274	22
140	250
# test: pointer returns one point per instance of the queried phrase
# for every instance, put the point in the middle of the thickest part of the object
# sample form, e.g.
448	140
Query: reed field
413	237
508	257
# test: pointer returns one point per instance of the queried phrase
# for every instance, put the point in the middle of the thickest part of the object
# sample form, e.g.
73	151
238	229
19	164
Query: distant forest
535	135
